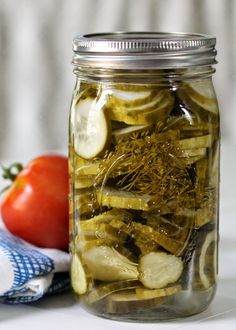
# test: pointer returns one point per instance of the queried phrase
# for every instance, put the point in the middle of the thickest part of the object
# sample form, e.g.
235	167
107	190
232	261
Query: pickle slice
133	87
156	110
85	202
202	93
158	269
214	167
76	161
196	142
138	103
192	160
172	234
129	302
125	133
106	264
155	103
89	169
85	196
86	243
125	200
146	246
144	293
104	290
78	276
101	231
203	216
130	98
106	217
84	181
141	240
173	238
92	130
207	261
203	270
201	171
193	152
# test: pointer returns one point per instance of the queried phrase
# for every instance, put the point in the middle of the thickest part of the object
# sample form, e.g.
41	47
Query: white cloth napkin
27	272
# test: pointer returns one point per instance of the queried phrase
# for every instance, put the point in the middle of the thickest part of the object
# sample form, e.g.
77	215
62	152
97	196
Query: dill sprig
148	163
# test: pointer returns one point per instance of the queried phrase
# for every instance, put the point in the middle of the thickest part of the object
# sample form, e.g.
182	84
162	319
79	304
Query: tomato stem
11	172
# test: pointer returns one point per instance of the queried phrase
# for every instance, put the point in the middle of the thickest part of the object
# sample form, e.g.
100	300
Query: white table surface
62	313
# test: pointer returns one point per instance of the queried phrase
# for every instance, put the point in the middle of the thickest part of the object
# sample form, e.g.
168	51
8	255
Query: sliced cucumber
89	169
102	231
156	110
128	302
78	275
125	133
158	269
196	142
155	103
124	98
193	152
140	104
92	128
86	243
125	200
133	87
104	290
207	260
85	202
174	239
90	225
203	216
144	293
146	247
192	160
84	181
106	264
202	93
214	167
201	172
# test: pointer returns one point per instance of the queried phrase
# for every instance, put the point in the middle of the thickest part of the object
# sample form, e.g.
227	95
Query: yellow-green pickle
144	175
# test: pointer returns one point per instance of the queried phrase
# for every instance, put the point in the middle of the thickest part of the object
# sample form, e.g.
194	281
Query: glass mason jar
144	175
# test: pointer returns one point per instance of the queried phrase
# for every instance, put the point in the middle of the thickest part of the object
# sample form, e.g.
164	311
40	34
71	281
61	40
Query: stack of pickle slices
144	181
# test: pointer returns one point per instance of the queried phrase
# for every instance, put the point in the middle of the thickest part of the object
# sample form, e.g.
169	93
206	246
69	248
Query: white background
36	78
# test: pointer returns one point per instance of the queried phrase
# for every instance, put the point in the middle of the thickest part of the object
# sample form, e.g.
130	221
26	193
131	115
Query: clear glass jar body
144	191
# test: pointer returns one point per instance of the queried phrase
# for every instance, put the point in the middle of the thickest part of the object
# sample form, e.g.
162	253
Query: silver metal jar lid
143	50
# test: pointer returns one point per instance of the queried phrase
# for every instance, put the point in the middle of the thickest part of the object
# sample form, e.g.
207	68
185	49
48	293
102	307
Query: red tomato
35	207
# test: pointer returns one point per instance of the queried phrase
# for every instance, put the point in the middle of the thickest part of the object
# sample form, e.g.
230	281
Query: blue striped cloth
27	273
